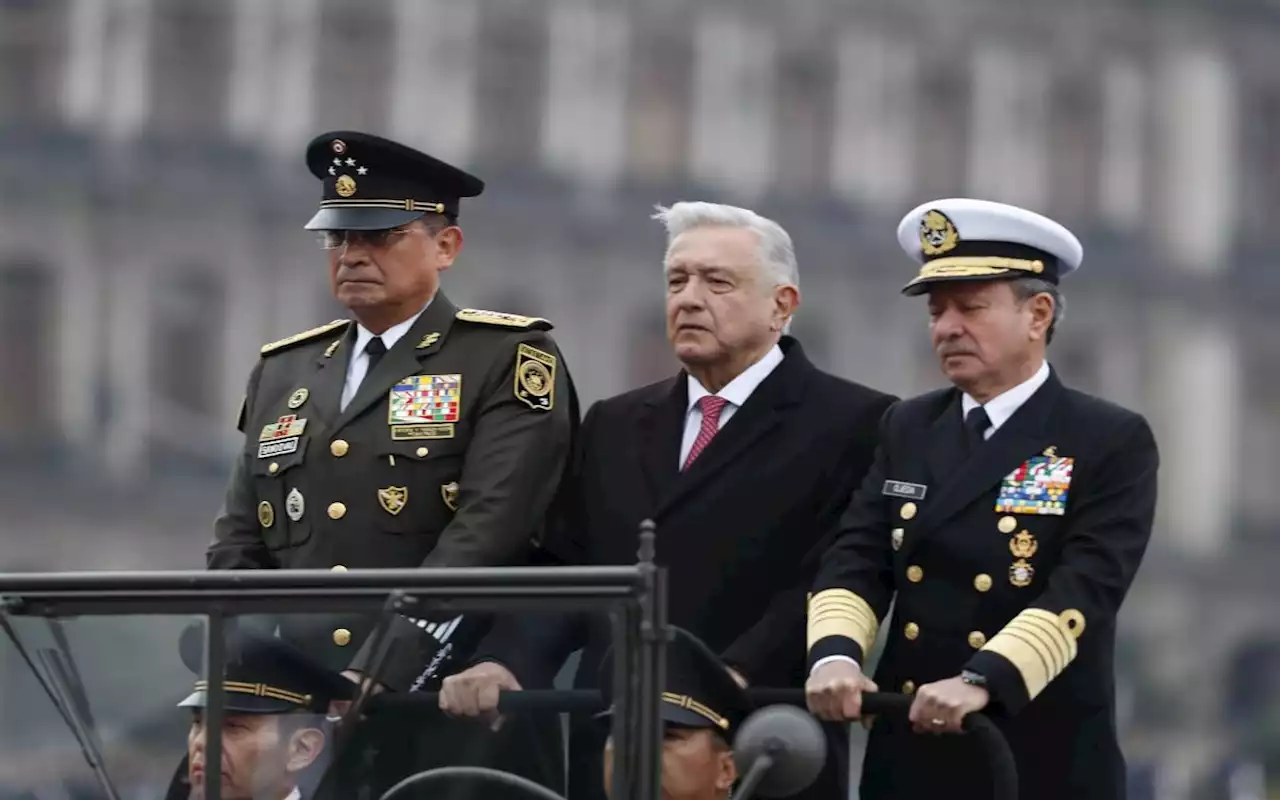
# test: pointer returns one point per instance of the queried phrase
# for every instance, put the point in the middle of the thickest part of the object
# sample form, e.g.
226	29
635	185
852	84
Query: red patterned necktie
711	407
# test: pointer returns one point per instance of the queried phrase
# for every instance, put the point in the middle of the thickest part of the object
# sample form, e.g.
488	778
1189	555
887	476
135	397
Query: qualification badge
535	382
449	493
1039	486
281	437
393	499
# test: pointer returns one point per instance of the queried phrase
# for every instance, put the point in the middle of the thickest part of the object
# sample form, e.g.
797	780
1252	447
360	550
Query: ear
786	301
448	243
726	770
1041	307
305	746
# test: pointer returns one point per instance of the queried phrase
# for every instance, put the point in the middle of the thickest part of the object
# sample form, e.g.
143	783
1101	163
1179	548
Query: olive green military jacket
448	455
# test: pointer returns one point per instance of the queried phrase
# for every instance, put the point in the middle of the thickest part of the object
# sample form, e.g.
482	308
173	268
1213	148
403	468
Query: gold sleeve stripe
1038	644
840	612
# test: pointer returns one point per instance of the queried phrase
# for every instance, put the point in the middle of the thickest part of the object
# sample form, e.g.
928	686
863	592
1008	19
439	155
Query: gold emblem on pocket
449	493
393	499
1021	573
266	514
1023	545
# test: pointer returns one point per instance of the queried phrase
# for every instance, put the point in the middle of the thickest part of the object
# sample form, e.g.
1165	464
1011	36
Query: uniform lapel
661	427
331	374
1025	434
946	443
402	359
762	412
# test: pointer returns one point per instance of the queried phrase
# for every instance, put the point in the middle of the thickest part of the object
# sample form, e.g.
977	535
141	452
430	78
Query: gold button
908	687
422	452
273	468
337	511
977	639
908	510
915	574
337	568
982	582
342	637
1007	524
911	631
339	448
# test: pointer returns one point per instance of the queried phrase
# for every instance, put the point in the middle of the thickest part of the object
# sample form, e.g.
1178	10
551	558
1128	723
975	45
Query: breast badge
281	437
295	505
449	493
1023	545
535	382
393	499
298	398
266	514
1021	573
1039	486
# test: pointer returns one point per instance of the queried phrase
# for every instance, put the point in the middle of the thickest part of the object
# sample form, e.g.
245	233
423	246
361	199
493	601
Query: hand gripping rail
979	726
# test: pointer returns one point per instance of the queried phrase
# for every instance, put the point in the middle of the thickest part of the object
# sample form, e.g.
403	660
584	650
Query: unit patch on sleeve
1039	486
535	381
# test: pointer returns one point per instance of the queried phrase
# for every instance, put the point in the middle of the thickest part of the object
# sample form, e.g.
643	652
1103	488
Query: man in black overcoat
1006	516
745	459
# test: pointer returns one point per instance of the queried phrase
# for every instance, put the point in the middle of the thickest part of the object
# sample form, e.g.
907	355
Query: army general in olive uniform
416	434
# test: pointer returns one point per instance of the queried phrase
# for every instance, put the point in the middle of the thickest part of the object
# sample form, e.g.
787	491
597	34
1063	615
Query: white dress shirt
735	392
294	795
359	363
999	409
1002	406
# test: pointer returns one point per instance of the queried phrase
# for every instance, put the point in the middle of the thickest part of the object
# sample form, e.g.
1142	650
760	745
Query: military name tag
281	437
1039	486
425	399
406	433
909	491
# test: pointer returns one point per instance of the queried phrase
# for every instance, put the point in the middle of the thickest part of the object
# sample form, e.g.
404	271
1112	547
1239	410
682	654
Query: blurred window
658	96
28	370
354	64
803	114
32	45
191	53
189	312
512	70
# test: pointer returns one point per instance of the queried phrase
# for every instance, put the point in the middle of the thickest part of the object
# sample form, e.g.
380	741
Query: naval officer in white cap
1006	514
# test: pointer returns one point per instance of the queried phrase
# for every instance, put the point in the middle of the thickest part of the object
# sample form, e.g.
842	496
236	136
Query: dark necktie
375	349
976	423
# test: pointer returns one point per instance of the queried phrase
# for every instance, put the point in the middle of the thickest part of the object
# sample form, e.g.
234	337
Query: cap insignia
938	233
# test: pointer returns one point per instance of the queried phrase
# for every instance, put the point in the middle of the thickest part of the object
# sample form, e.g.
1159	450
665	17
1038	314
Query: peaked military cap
960	239
371	183
264	675
699	691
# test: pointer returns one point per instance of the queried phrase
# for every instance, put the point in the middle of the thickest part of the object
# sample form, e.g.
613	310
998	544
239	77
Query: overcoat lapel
402	359
661	426
946	443
1025	434
762	412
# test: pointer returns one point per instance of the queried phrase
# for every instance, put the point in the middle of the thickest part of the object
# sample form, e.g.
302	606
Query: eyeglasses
333	240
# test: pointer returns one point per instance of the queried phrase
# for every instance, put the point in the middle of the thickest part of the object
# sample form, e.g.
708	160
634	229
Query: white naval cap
960	239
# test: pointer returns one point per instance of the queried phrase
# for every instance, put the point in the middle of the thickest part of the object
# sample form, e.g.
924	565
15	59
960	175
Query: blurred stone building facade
154	191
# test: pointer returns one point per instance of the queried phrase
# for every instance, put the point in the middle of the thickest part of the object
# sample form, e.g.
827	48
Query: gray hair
1026	288
777	254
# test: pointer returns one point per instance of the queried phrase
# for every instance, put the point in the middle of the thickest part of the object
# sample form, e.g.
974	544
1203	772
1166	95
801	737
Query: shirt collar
391	335
1003	406
740	388
296	794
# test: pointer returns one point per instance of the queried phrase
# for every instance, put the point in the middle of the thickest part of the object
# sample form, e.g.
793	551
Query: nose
947	325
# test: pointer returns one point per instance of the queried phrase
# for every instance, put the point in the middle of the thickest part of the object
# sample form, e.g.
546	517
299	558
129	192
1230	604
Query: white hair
777	254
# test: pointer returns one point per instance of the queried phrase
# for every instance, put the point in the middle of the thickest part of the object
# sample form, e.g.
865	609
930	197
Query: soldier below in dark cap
702	708
274	732
415	435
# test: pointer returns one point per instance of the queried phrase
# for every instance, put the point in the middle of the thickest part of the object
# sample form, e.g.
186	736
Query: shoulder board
503	319
305	336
